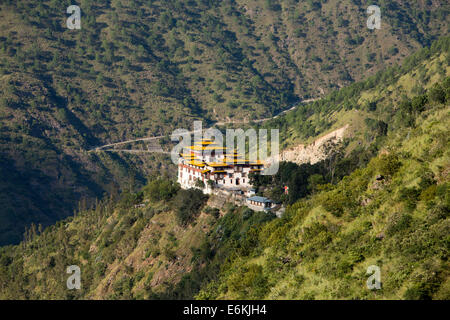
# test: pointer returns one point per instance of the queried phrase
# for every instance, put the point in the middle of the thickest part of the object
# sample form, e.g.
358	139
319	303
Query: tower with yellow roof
210	167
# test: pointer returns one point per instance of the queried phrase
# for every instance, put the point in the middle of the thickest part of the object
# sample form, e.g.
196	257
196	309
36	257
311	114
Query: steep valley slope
143	68
388	206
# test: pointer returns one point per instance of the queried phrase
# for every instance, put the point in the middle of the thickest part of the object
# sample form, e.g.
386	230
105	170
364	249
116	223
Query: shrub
335	202
418	103
423	290
250	283
410	196
398	222
199	184
437	94
389	164
161	189
213	212
392	51
129	199
187	203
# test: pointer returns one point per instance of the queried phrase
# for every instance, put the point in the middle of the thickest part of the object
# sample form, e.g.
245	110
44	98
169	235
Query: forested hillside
142	68
386	204
368	102
393	213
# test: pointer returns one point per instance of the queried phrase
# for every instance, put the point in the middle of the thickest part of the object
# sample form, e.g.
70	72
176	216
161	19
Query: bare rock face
315	152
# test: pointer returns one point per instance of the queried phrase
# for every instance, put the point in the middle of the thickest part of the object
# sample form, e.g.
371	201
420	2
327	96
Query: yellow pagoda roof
204	142
215	148
219	171
200	148
205	171
196	148
217	164
235	160
196	163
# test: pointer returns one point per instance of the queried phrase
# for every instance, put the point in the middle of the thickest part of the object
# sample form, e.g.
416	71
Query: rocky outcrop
316	151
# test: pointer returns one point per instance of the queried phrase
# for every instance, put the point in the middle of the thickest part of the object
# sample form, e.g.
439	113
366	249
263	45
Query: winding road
219	123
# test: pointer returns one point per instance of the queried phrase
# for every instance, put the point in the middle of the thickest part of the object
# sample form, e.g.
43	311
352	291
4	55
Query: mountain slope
388	206
393	214
142	68
375	98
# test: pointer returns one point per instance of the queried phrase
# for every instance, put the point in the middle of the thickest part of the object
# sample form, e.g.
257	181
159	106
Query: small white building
260	203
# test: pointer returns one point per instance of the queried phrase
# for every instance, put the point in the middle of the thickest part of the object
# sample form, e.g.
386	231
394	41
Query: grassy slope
123	252
323	246
401	224
320	249
350	105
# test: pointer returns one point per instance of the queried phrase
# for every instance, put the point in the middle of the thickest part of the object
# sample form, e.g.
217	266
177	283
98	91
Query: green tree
437	94
161	189
187	203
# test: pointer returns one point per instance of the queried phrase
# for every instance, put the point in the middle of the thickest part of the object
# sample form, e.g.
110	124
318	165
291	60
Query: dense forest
385	203
142	68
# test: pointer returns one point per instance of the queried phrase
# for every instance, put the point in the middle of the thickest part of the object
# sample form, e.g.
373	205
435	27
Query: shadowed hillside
382	200
143	68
